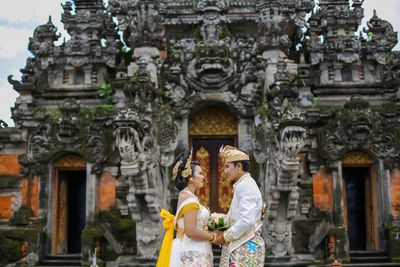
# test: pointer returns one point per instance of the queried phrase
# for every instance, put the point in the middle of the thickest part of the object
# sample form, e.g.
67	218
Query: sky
19	18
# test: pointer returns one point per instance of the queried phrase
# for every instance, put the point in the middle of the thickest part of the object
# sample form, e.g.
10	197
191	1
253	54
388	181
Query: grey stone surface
302	101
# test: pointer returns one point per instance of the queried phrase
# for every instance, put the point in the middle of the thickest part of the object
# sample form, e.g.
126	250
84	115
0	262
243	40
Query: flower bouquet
218	221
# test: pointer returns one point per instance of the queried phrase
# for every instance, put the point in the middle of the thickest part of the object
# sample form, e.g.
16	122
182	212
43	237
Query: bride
192	246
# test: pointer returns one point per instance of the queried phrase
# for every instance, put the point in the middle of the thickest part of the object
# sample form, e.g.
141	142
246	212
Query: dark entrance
209	129
359	206
70	210
212	146
76	208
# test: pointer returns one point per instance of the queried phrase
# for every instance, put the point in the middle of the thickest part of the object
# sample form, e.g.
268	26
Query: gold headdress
187	171
175	169
230	154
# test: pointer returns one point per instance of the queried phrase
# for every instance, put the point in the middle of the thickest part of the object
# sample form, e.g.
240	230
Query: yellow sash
165	252
168	224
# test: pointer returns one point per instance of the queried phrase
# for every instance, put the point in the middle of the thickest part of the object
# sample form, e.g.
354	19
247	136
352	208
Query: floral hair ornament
175	169
188	171
231	154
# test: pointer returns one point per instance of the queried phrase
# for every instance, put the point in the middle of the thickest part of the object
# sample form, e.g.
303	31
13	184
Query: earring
190	180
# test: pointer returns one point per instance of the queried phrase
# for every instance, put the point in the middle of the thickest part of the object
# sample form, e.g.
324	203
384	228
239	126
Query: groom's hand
220	237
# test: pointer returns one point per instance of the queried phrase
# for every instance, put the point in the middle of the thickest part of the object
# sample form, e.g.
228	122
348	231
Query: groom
245	246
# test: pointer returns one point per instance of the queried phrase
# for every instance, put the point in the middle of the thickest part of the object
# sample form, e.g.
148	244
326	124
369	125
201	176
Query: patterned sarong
250	254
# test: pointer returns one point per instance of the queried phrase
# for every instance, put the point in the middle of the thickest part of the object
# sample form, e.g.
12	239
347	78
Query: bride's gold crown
230	154
185	172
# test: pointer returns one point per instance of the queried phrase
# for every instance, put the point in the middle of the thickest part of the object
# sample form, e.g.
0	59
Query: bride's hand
220	237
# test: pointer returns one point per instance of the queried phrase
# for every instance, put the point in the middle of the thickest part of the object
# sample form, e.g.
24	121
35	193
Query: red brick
9	165
322	190
395	191
106	192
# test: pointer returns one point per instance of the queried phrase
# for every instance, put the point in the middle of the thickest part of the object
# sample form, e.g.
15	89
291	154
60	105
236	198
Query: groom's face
232	171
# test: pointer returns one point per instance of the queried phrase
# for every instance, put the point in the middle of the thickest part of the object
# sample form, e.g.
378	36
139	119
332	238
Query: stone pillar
91	194
383	201
244	134
342	241
337	190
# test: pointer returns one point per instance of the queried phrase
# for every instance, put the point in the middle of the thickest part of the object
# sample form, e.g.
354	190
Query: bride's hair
181	182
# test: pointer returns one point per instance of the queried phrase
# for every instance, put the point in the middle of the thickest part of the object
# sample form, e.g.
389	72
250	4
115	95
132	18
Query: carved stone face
38	147
358	124
292	140
333	145
212	69
66	130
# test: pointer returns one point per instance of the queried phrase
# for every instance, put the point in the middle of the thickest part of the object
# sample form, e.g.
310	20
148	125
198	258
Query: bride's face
198	177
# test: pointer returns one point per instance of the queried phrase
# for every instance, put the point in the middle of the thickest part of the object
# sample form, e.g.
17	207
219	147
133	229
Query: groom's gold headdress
230	154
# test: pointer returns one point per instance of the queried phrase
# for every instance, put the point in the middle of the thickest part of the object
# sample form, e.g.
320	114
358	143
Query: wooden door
69	209
217	190
359	201
209	130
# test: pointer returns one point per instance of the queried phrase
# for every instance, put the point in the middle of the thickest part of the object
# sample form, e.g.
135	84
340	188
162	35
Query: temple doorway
209	130
69	205
359	201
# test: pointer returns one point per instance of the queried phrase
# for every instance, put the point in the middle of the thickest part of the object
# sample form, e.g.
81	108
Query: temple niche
99	119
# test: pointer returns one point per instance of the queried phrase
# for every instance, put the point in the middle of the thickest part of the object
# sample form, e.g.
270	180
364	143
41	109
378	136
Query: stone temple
100	118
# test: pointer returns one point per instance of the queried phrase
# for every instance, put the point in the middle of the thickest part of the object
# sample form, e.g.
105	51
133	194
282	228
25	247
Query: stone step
380	259
367	256
140	262
367	253
63	256
62	260
59	263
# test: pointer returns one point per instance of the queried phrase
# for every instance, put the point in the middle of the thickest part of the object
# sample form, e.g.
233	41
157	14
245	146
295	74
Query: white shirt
244	213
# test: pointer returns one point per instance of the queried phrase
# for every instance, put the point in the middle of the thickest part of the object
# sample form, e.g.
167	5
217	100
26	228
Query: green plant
106	92
164	98
300	81
224	32
197	33
316	101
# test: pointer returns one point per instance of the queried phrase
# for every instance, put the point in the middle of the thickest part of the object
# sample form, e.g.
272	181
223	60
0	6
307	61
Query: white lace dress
187	252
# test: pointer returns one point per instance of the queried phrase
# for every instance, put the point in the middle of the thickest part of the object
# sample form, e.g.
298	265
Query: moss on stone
91	233
10	249
5	135
108	216
126	223
255	169
197	33
122	195
393	242
336	230
11	242
8	182
21	216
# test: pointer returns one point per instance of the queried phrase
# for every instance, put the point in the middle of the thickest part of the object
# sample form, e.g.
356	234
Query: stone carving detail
356	127
136	140
276	18
382	38
332	21
140	20
70	132
145	135
391	71
284	128
213	61
177	57
43	37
